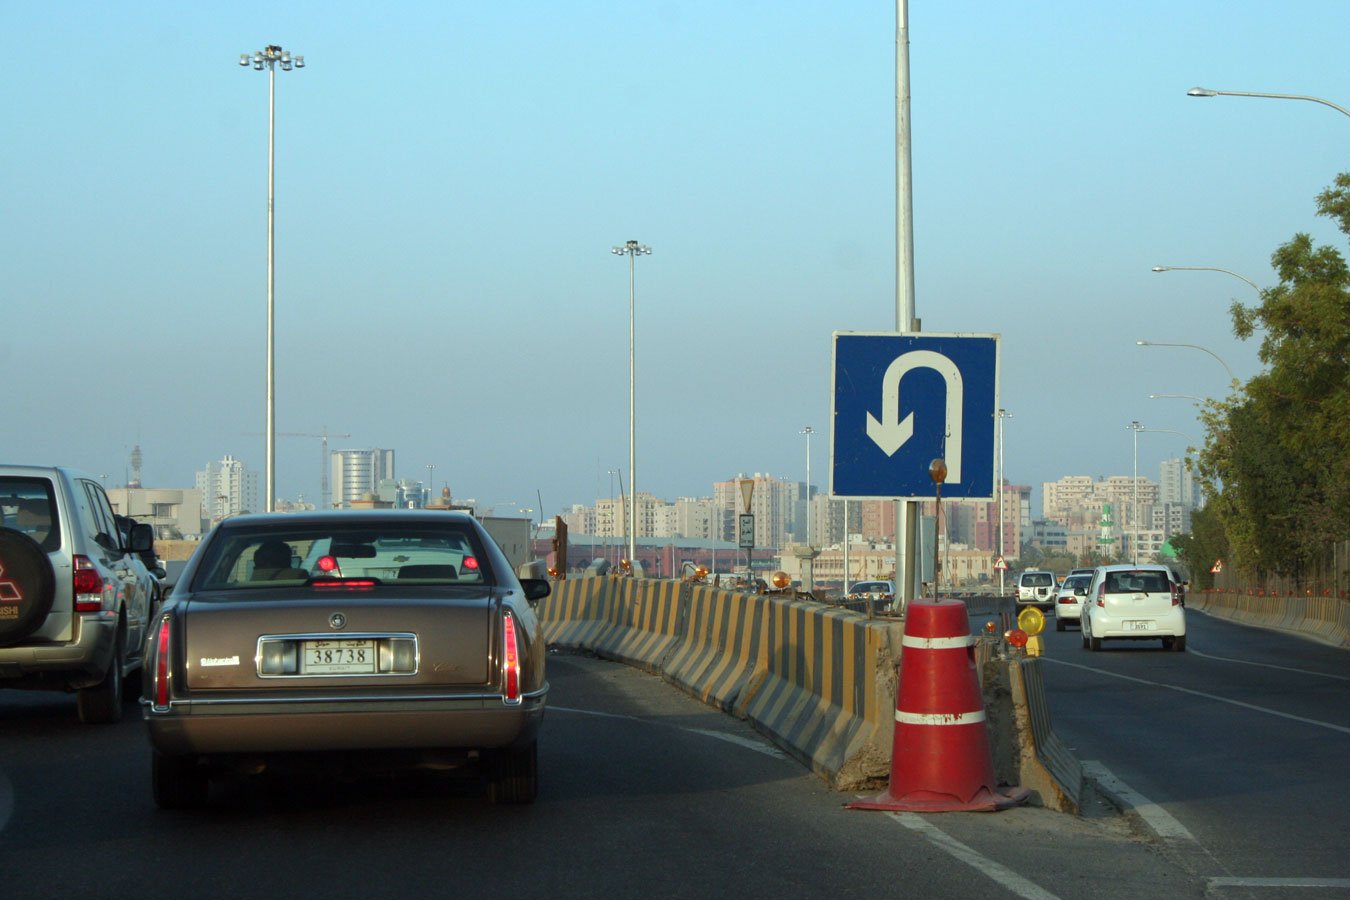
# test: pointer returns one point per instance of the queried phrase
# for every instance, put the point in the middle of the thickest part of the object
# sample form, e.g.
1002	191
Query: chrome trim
369	698
330	636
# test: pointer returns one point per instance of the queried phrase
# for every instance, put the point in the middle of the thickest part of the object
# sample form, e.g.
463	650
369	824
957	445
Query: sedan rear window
1143	582
392	553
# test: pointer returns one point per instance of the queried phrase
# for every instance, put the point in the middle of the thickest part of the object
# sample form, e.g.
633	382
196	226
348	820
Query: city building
227	487
356	473
175	513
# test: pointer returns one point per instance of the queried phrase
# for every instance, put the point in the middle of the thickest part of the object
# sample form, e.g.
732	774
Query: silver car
401	635
75	596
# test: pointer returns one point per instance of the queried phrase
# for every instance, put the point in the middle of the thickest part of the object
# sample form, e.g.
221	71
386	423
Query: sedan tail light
510	662
88	585
161	683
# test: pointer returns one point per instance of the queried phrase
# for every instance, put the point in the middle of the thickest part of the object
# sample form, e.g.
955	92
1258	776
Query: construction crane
323	462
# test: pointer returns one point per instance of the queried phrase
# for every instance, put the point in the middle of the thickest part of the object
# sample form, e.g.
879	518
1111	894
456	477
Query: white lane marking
1172	687
1248	662
996	872
1163	823
1278	882
738	740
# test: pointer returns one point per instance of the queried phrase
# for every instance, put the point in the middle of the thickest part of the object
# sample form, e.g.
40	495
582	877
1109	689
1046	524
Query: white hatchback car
1133	602
1069	599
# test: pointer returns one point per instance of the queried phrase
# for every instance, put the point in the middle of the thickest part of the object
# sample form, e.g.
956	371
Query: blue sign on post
903	400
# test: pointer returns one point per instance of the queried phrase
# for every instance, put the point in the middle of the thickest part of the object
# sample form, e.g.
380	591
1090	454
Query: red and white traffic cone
940	758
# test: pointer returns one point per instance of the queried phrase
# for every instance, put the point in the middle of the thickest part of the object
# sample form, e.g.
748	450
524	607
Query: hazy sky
451	177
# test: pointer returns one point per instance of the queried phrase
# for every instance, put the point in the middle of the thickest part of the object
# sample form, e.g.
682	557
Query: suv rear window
1037	579
28	505
240	559
1145	582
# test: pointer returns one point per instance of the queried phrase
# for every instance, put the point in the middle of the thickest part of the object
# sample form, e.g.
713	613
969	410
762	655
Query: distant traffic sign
746	525
903	400
1001	564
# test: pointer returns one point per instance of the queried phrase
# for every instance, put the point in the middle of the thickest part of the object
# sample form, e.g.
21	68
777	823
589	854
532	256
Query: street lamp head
1161	268
1144	343
245	59
1201	92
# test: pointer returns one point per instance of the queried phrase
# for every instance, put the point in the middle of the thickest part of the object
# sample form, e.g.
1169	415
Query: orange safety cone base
985	800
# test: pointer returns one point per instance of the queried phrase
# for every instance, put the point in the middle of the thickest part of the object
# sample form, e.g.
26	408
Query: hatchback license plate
343	657
1139	625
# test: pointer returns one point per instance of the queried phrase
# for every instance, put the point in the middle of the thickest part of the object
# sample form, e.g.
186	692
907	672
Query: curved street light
808	431
632	249
1136	427
269	58
1227	368
1206	92
1176	397
1207	269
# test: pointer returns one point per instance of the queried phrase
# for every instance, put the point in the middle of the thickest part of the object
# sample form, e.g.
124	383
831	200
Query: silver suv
75	596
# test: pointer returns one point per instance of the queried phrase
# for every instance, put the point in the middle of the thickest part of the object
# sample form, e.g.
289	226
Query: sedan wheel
179	782
513	775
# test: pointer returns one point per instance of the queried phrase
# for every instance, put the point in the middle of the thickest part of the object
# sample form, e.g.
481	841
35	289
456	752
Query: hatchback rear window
388	553
29	505
1144	582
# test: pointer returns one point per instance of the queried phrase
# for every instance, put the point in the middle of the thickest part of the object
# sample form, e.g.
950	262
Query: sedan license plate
1139	625
342	657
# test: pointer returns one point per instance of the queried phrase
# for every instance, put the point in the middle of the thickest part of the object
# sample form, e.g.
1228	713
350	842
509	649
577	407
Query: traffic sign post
901	400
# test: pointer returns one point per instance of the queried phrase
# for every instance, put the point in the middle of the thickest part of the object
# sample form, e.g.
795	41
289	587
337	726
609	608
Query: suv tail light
161	682
510	661
88	585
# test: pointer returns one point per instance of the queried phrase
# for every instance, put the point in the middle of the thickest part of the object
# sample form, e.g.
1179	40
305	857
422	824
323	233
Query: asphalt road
647	793
1241	745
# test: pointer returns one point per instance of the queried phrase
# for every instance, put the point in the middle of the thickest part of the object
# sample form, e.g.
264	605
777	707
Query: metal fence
1329	576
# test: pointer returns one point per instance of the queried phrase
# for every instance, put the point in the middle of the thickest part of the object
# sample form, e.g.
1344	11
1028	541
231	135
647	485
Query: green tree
1276	461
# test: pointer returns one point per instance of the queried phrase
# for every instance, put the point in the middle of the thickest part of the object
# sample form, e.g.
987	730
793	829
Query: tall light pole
1134	517
1206	92
269	58
1231	377
1002	414
1253	284
431	483
808	431
632	249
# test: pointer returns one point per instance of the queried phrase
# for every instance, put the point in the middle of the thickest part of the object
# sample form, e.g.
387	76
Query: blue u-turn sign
903	400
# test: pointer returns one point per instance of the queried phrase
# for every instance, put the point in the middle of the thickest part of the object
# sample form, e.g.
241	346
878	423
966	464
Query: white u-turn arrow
891	432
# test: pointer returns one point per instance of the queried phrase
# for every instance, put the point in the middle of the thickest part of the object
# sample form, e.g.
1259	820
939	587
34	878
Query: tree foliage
1276	461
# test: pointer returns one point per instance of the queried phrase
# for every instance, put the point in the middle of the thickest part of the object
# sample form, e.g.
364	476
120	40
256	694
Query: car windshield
405	553
1138	582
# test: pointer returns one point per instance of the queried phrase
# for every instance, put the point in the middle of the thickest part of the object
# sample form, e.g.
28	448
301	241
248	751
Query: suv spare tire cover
27	586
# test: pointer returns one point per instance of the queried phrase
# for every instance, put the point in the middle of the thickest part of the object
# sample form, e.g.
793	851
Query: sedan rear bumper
1170	624
262	726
